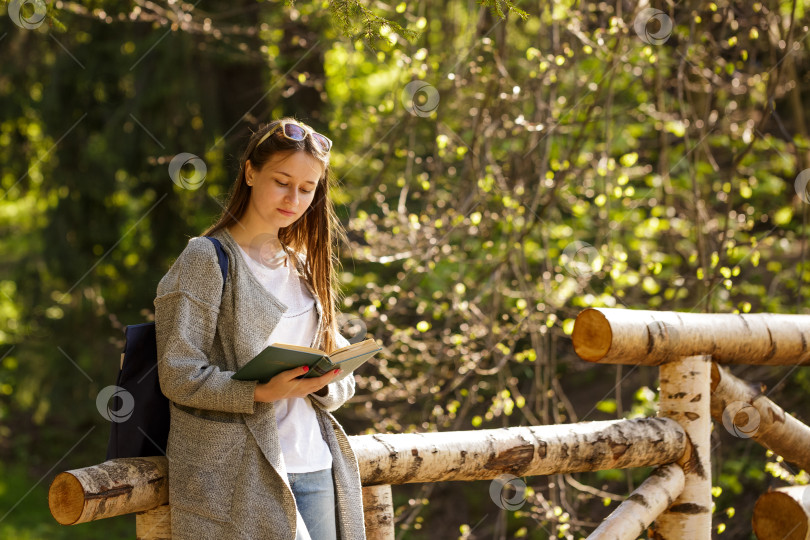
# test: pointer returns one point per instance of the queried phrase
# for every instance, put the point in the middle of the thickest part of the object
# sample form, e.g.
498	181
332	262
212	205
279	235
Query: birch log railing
687	348
675	499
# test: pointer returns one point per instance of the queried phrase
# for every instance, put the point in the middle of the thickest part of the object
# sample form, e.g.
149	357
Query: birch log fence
674	503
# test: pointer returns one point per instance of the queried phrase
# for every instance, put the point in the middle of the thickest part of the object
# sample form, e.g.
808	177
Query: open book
280	357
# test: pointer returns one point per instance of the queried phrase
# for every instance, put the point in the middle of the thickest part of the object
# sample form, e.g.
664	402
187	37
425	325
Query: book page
349	365
298	348
354	350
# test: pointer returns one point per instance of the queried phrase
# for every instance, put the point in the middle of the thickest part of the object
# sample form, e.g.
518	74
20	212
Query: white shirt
302	444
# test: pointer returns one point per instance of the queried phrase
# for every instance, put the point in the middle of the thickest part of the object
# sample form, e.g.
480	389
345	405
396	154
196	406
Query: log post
154	524
378	510
783	514
745	412
685	398
629	520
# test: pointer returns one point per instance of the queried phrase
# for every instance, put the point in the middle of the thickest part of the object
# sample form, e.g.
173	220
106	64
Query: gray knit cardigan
227	478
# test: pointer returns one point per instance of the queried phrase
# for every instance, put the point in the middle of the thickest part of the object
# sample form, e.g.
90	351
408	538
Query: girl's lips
286	213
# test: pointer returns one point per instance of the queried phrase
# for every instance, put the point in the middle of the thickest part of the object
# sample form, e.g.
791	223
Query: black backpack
138	400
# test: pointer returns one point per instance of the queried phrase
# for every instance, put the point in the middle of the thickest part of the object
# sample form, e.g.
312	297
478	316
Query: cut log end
592	335
66	499
778	516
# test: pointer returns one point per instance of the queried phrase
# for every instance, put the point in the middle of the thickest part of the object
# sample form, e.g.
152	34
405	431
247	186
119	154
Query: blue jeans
315	499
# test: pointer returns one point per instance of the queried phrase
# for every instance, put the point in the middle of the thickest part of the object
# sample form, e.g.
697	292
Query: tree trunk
651	338
684	397
746	412
783	514
641	508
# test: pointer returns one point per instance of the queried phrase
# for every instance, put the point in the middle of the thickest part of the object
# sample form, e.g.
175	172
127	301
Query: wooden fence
674	502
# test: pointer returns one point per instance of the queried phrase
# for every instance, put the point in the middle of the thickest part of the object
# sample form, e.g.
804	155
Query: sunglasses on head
298	132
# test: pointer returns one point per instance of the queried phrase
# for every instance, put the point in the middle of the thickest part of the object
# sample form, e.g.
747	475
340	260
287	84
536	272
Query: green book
280	357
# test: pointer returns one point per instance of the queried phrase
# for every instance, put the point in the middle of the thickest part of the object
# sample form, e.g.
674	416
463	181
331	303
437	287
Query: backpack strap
222	257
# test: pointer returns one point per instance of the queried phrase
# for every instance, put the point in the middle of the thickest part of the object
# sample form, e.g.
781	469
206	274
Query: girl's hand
285	385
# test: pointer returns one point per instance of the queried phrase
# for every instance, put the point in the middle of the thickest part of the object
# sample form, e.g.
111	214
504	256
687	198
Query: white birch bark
745	412
400	458
378	511
629	520
684	397
125	486
113	488
624	336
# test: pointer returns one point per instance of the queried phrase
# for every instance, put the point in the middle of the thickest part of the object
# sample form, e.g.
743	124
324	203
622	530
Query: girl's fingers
316	382
327	377
297	371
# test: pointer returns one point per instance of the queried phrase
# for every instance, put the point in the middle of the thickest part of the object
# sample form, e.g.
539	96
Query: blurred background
501	167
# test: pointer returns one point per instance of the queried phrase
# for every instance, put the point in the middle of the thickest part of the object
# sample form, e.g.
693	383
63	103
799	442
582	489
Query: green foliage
346	13
497	8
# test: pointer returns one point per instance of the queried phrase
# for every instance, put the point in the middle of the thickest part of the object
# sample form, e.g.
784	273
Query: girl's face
284	188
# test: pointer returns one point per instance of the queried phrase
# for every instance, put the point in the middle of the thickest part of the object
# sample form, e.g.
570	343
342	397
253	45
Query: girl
249	460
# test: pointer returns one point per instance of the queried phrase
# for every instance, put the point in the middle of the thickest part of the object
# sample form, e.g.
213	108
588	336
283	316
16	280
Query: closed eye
285	185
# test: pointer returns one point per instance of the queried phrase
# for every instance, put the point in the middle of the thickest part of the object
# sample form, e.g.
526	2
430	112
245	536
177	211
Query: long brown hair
312	234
